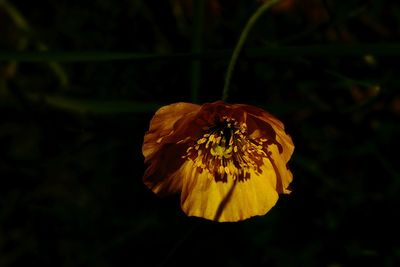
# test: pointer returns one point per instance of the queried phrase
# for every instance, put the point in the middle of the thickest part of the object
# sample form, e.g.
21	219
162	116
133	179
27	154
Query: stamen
226	151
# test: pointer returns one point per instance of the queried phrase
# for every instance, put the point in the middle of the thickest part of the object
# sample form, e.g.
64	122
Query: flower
228	161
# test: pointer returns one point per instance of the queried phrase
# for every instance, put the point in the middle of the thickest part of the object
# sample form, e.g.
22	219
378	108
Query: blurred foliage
80	80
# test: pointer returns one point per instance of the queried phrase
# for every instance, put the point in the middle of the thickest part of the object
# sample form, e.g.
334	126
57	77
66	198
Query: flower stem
243	36
197	47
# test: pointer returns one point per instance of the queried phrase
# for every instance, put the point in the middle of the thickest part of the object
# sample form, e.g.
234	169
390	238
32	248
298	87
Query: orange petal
227	201
161	125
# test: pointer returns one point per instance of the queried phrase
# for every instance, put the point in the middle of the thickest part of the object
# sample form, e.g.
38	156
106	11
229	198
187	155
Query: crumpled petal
162	125
163	155
281	137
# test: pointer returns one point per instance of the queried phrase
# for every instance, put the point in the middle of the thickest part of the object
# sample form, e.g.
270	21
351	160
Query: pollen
226	151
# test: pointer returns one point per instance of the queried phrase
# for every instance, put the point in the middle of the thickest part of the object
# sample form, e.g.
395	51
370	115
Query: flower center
226	150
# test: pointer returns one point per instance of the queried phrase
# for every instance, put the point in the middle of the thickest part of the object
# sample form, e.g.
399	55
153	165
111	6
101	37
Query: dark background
73	119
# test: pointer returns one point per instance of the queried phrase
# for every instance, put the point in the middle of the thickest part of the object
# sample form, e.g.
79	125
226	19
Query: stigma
227	151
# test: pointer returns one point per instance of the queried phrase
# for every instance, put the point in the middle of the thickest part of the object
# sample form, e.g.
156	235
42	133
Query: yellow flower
228	161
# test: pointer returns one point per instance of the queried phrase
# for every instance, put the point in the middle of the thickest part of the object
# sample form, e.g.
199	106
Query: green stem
197	47
240	43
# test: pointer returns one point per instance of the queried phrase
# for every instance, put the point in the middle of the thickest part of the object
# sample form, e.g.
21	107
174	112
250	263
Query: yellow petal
227	201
